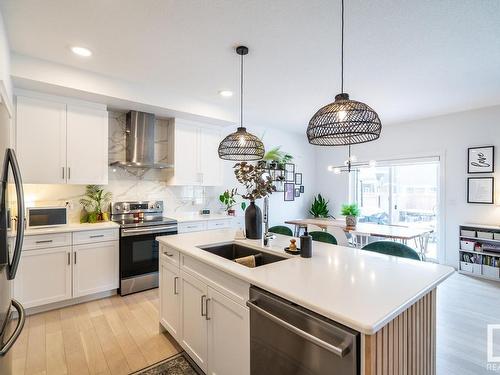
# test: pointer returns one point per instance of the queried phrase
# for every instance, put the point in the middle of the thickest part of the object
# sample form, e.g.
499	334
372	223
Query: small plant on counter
228	199
319	207
93	202
351	212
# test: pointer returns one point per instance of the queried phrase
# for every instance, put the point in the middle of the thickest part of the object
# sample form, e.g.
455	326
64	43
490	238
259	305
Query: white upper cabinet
210	163
41	140
59	142
87	145
196	161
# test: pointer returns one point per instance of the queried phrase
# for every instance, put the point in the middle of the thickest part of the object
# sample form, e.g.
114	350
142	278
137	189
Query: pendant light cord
342	49
241	92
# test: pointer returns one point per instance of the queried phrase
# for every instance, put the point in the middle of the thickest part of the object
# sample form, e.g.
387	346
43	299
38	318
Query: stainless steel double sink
233	251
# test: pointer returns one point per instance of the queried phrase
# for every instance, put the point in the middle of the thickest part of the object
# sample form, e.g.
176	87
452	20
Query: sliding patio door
400	192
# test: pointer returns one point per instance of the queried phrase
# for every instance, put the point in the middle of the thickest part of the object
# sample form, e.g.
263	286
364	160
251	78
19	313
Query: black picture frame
289	176
289	192
290	167
298	178
474	166
490	199
297	192
302	189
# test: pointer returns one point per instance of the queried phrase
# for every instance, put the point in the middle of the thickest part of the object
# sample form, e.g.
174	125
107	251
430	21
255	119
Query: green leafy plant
319	207
227	198
93	202
252	177
276	155
350	210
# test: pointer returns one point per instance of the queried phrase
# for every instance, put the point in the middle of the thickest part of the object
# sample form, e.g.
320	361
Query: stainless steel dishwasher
288	339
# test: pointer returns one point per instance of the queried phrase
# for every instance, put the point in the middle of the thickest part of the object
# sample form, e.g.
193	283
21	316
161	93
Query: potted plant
93	201
257	186
227	198
277	158
351	212
319	207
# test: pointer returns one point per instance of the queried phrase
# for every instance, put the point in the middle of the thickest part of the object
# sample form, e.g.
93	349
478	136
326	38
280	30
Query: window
400	192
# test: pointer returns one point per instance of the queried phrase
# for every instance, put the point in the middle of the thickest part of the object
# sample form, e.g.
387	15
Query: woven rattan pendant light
345	121
241	145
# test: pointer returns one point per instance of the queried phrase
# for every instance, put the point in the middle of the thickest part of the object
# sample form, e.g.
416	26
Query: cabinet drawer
43	241
170	255
219	224
194	226
230	286
95	236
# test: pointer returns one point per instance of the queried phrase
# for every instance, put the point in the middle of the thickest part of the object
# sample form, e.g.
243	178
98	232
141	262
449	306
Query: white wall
448	135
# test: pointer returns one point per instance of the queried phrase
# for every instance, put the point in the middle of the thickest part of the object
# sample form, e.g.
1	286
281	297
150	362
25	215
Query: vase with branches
257	185
93	201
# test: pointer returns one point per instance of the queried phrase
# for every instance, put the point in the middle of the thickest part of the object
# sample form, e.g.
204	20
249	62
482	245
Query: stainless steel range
140	223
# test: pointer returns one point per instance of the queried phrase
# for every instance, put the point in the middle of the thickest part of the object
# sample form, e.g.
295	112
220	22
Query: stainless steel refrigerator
12	314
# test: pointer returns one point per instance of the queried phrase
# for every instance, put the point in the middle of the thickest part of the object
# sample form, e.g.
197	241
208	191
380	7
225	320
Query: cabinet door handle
97	235
62	172
69	259
44	241
69	173
74	257
203	297
176	278
206	308
168	254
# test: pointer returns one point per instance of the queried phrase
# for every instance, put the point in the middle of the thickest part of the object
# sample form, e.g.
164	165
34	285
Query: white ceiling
407	59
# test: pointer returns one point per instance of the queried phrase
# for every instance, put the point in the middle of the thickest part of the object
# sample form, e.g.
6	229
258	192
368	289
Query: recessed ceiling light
226	93
81	51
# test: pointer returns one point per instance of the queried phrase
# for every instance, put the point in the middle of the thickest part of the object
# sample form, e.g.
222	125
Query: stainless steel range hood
140	142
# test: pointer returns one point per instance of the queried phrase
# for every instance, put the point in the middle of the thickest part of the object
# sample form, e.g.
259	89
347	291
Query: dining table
363	231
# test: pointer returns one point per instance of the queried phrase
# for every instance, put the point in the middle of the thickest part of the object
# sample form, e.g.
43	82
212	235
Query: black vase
253	222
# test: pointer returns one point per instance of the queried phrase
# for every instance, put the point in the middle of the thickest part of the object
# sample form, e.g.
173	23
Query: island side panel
406	345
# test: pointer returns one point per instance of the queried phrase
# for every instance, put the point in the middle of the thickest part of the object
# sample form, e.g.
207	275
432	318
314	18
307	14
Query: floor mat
179	364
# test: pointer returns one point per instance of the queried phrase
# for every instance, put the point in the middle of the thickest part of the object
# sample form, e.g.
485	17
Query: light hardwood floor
116	335
465	306
119	335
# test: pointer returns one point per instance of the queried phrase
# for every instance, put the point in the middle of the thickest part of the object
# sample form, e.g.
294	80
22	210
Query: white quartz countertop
360	289
77	227
194	216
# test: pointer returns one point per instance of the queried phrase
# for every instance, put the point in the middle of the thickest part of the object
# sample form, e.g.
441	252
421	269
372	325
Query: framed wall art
289	192
481	159
480	190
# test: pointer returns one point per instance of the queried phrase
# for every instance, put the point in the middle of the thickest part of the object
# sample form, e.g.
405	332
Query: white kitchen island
389	300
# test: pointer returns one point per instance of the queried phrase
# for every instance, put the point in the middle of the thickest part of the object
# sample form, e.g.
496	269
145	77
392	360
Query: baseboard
69	302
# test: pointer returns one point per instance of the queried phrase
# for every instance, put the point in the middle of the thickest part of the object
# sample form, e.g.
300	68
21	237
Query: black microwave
43	217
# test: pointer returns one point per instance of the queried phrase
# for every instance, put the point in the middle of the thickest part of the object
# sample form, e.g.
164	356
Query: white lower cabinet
43	276
170	312
58	271
194	320
95	268
212	328
228	336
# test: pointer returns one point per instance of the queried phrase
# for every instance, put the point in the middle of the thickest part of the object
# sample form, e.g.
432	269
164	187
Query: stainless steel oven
140	223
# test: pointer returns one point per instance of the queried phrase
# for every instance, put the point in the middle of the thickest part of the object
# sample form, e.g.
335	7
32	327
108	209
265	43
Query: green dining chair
392	248
323	237
281	229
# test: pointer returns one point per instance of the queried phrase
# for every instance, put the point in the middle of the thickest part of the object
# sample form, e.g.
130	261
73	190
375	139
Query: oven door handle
133	232
340	351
